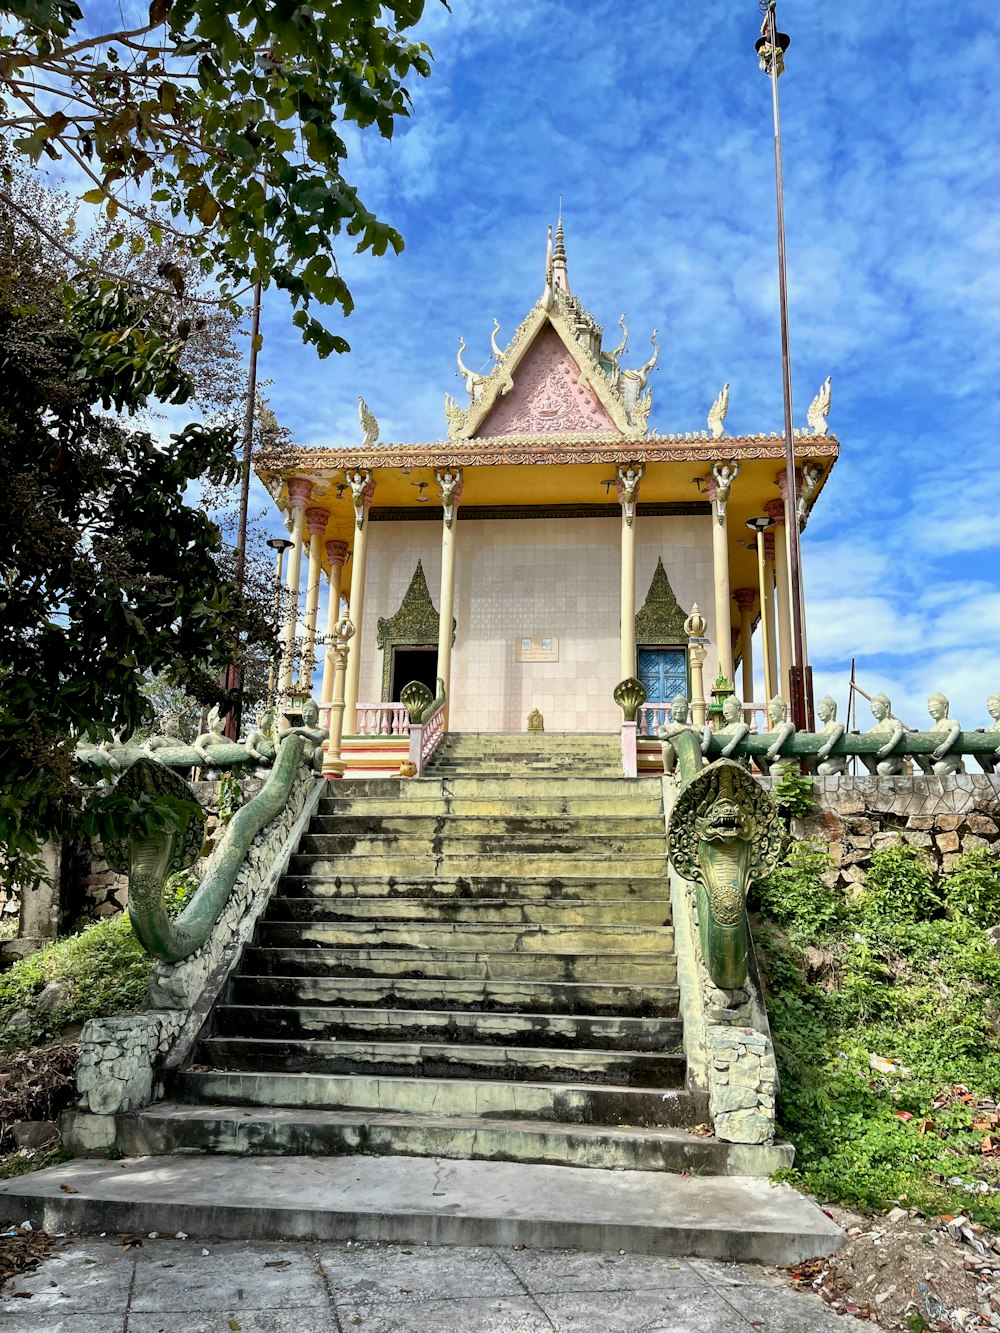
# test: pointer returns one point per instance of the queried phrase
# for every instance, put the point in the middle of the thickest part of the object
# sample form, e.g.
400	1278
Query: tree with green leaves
108	574
223	127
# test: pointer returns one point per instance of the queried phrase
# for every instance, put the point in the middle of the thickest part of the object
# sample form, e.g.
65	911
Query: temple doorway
411	663
663	672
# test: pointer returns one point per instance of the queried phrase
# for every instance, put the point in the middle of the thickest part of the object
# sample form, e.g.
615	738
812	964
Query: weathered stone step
453	964
468	935
433	805
531	786
413	1200
568	1103
498	911
442	1059
457	845
554	997
324	1022
471	888
506	866
176	1127
514	824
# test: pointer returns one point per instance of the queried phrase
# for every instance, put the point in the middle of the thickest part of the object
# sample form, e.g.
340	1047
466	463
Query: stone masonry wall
944	817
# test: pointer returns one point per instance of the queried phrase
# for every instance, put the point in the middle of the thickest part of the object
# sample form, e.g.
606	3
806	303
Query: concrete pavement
94	1285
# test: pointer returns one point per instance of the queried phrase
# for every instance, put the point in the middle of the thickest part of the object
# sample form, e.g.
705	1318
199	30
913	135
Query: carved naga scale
723	833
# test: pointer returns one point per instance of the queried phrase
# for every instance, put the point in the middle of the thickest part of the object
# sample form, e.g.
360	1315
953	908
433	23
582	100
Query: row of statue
212	751
827	751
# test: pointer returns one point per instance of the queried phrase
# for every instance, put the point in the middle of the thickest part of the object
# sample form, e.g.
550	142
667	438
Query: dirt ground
907	1272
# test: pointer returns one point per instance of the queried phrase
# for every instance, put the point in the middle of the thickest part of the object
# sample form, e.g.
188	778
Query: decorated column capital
451	484
299	491
316	520
336	553
362	485
768	538
627	484
718	485
775	510
745	598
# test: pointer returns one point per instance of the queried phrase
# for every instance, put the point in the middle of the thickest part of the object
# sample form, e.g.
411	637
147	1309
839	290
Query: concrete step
429	804
412	1200
322	1022
529	786
513	824
484	911
465	936
174	1127
432	866
566	1103
483	997
454	964
443	1059
456	845
568	888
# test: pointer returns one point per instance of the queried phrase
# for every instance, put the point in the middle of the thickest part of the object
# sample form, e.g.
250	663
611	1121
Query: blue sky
653	122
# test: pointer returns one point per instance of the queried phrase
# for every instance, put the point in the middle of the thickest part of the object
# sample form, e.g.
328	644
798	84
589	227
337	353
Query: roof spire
560	275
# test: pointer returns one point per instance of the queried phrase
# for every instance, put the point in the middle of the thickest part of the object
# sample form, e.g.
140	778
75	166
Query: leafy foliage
103	970
887	976
230	118
973	888
107	574
792	792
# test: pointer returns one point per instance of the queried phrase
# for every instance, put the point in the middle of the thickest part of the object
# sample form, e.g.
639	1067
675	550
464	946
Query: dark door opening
412	664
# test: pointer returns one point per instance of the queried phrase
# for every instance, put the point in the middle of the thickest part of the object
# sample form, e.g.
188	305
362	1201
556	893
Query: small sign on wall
540	649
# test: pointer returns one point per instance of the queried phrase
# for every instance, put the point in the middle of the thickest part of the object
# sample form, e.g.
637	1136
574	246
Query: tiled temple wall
529	578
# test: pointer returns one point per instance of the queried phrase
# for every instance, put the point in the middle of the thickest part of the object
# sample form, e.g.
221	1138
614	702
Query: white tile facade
530	578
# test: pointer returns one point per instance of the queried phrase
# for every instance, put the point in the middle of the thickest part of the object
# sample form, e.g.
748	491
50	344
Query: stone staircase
466	966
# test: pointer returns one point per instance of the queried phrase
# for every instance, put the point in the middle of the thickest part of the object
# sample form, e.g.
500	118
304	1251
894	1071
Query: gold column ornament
694	628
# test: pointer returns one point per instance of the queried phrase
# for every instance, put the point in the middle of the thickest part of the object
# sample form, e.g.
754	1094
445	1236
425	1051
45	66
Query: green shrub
899	886
103	970
972	888
792	791
795	895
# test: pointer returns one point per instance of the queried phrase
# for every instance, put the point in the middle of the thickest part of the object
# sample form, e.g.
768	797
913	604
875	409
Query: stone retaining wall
944	817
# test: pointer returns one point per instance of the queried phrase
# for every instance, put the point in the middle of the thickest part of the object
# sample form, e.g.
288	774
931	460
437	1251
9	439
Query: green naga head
724	832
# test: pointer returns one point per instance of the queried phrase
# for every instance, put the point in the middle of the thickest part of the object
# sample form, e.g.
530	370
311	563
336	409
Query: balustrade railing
388	719
425	737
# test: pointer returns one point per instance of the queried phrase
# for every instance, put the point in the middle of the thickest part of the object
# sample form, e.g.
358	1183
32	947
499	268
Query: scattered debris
910	1273
21	1250
36	1086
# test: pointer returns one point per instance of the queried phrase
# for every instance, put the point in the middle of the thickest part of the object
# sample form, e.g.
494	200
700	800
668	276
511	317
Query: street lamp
759	526
771	47
279	545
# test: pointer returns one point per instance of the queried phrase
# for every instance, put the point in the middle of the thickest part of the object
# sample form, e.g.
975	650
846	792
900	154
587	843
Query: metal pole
798	702
234	674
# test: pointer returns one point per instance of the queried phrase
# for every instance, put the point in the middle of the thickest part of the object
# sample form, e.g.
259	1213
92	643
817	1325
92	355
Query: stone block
854	874
744	1126
982	825
918	839
733	1097
970	843
947	823
948	842
949	861
886	839
920	822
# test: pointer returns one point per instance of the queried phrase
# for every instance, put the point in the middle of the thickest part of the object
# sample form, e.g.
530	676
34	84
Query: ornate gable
554	377
549	395
661	620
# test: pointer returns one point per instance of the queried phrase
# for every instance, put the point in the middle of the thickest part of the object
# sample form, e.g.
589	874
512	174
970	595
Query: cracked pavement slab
174	1285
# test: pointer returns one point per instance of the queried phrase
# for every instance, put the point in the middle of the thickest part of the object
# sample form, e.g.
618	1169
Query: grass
101	971
903	972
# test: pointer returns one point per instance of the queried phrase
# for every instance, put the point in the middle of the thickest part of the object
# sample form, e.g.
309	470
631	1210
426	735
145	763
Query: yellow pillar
337	656
776	510
450	484
694	628
767	593
316	521
745	599
720	569
299	490
336	554
627	482
362	490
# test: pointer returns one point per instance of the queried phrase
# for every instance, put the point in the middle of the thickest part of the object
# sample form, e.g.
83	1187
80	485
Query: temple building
549	547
